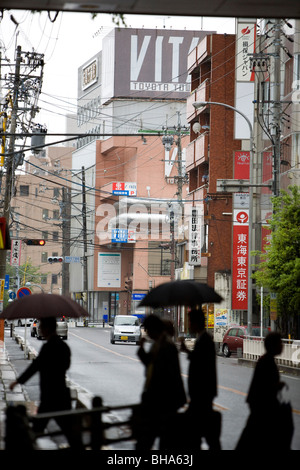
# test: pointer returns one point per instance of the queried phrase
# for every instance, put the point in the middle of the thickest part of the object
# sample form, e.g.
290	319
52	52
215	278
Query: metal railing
253	348
89	427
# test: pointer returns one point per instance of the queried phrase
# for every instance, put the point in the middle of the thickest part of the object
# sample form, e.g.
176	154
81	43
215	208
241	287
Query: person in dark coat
203	421
52	363
262	427
163	392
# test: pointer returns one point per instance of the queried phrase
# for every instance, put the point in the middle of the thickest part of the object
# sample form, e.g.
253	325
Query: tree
27	273
279	267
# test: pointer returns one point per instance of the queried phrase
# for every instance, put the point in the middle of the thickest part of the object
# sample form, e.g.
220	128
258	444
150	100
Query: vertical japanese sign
2	285
241	165
240	259
15	253
245	45
195	237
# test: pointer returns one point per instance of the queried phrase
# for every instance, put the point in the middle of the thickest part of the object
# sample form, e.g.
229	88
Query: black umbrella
187	292
43	305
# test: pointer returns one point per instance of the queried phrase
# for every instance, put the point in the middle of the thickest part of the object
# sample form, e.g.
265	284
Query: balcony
199	53
200	94
197	151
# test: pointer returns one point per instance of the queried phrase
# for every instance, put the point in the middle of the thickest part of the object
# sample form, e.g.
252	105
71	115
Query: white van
126	328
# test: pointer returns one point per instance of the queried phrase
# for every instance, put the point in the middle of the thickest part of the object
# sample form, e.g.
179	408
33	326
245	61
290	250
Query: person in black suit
263	428
163	392
52	363
203	421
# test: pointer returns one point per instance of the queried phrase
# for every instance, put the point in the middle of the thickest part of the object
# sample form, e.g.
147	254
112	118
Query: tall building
130	95
40	210
209	158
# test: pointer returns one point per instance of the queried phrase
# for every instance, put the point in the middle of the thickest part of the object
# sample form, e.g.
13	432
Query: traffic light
128	285
55	259
34	242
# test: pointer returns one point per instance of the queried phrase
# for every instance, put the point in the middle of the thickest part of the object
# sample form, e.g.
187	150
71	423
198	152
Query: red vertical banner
240	259
241	165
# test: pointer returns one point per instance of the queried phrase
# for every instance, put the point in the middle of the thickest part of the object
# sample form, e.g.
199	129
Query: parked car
61	328
126	328
33	328
234	338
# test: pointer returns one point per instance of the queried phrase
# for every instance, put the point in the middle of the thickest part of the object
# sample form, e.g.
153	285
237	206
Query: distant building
40	209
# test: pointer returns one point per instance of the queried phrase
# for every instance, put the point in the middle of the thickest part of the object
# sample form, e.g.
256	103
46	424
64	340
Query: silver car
126	328
61	328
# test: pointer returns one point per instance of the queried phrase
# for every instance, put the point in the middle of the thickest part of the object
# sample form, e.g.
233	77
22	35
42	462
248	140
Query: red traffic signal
34	242
55	259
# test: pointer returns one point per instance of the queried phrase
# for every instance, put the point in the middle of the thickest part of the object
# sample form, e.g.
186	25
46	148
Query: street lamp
201	104
29	284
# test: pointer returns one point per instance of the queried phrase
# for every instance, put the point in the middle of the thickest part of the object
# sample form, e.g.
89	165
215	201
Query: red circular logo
242	217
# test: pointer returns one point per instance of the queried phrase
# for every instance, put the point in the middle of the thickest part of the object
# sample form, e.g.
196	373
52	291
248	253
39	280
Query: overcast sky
70	39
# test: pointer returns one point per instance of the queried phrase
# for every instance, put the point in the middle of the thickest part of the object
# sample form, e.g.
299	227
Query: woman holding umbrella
52	363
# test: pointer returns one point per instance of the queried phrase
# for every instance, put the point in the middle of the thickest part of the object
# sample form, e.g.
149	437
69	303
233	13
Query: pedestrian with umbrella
201	420
54	358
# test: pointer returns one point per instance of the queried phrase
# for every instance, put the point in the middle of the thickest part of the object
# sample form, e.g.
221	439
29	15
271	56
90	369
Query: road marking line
233	390
105	349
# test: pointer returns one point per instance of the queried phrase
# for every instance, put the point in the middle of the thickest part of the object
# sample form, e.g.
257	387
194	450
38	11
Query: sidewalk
7	397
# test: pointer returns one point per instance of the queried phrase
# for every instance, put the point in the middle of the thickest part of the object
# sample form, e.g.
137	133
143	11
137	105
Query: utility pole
10	169
168	141
85	270
276	125
66	238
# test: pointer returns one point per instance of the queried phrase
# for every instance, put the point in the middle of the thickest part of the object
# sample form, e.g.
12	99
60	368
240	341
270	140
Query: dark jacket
265	385
52	363
202	380
163	390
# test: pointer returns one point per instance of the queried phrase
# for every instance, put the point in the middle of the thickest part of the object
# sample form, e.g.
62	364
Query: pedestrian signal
55	259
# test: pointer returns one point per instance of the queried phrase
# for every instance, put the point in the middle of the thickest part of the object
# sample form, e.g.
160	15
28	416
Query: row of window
24	190
88	111
54	278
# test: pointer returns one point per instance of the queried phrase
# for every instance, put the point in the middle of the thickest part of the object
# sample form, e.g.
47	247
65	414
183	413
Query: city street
115	373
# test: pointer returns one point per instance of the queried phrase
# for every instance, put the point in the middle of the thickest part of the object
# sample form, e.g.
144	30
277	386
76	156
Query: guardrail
253	348
89	427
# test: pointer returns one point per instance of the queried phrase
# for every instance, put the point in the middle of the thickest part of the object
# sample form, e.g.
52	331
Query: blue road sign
12	295
22	292
6	285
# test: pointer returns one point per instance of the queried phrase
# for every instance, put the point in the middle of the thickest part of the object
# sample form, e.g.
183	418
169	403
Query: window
55	236
45	214
296	74
44	257
44	279
54	279
159	263
56	214
45	235
55	192
24	190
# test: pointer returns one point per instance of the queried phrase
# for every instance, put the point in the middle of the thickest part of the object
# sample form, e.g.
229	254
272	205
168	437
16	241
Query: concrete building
130	95
40	210
210	157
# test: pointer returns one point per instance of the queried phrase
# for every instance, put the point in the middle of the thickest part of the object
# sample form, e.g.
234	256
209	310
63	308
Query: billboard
148	63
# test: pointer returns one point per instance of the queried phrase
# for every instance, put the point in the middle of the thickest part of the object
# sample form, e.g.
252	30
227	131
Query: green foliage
279	267
27	273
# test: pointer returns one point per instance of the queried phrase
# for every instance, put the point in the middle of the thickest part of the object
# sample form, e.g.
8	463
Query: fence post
96	425
18	435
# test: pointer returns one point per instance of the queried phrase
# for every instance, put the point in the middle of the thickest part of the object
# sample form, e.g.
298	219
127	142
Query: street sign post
22	292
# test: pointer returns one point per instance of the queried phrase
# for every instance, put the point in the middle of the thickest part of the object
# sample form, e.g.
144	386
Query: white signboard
109	269
15	253
195	237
